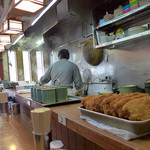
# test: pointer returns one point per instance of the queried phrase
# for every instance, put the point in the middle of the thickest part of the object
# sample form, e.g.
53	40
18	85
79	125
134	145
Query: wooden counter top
101	138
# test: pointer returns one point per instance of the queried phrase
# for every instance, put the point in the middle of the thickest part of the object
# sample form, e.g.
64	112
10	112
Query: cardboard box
126	7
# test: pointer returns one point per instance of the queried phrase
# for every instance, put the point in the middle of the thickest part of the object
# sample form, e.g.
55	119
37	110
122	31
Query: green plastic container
34	93
61	94
48	95
147	86
31	92
38	95
127	89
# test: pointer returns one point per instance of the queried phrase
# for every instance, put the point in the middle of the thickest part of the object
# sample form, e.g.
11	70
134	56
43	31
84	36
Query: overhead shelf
128	17
127	39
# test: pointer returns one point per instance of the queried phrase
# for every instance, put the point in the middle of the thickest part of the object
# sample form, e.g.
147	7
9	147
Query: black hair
64	53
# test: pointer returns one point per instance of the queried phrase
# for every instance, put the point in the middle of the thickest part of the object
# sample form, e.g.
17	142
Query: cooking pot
147	86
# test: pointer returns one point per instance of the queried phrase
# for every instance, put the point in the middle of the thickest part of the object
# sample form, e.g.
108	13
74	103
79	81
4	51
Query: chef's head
63	54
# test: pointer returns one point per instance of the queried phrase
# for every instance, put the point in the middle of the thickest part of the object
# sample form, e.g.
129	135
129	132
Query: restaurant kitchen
76	26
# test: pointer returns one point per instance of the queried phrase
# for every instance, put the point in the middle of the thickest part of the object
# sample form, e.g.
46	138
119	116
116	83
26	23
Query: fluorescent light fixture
11	26
18	39
29	5
5	39
44	11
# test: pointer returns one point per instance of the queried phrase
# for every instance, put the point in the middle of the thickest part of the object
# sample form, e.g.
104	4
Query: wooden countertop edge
101	138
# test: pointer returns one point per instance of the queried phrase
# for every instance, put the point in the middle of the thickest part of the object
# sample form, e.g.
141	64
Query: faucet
56	79
97	78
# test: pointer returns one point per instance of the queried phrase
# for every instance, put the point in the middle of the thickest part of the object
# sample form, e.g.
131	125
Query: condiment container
61	94
48	95
38	95
127	89
136	30
16	108
56	145
104	39
34	93
4	110
31	92
118	11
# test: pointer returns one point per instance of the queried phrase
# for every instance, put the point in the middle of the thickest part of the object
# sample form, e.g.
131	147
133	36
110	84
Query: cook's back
63	70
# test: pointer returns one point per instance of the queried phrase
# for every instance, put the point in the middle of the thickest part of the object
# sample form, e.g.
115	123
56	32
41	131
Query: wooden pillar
1	67
33	66
5	65
46	56
20	71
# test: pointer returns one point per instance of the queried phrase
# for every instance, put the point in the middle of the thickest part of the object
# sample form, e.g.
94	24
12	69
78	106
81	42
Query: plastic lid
56	144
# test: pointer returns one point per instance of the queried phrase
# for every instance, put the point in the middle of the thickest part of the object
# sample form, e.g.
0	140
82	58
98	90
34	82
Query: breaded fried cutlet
118	106
105	103
99	101
137	109
89	104
84	99
113	111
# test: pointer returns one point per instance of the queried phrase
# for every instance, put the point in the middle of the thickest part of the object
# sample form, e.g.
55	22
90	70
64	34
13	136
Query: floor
16	132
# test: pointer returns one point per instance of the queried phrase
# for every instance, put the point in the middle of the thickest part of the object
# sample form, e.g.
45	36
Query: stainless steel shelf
114	43
125	17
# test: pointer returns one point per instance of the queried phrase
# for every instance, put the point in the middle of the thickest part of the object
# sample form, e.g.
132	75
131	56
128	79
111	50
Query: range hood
59	25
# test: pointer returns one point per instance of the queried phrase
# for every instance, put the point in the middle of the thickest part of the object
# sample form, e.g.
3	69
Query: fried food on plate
137	109
128	106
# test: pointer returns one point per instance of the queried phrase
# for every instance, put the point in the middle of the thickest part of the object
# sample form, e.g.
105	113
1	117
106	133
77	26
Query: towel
24	91
126	135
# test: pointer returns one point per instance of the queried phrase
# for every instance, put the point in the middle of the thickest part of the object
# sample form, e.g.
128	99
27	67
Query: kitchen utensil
41	120
41	141
91	55
87	76
137	127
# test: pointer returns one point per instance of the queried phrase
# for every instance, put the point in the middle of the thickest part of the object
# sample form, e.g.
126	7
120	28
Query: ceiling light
44	11
18	39
5	39
11	26
2	48
29	5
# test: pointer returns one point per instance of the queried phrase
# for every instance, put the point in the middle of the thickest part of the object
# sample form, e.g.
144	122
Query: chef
65	71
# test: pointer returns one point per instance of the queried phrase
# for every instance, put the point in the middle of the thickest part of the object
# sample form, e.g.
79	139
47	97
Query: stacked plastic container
49	94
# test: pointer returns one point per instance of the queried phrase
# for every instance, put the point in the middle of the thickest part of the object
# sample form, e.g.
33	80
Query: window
26	65
12	66
40	64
